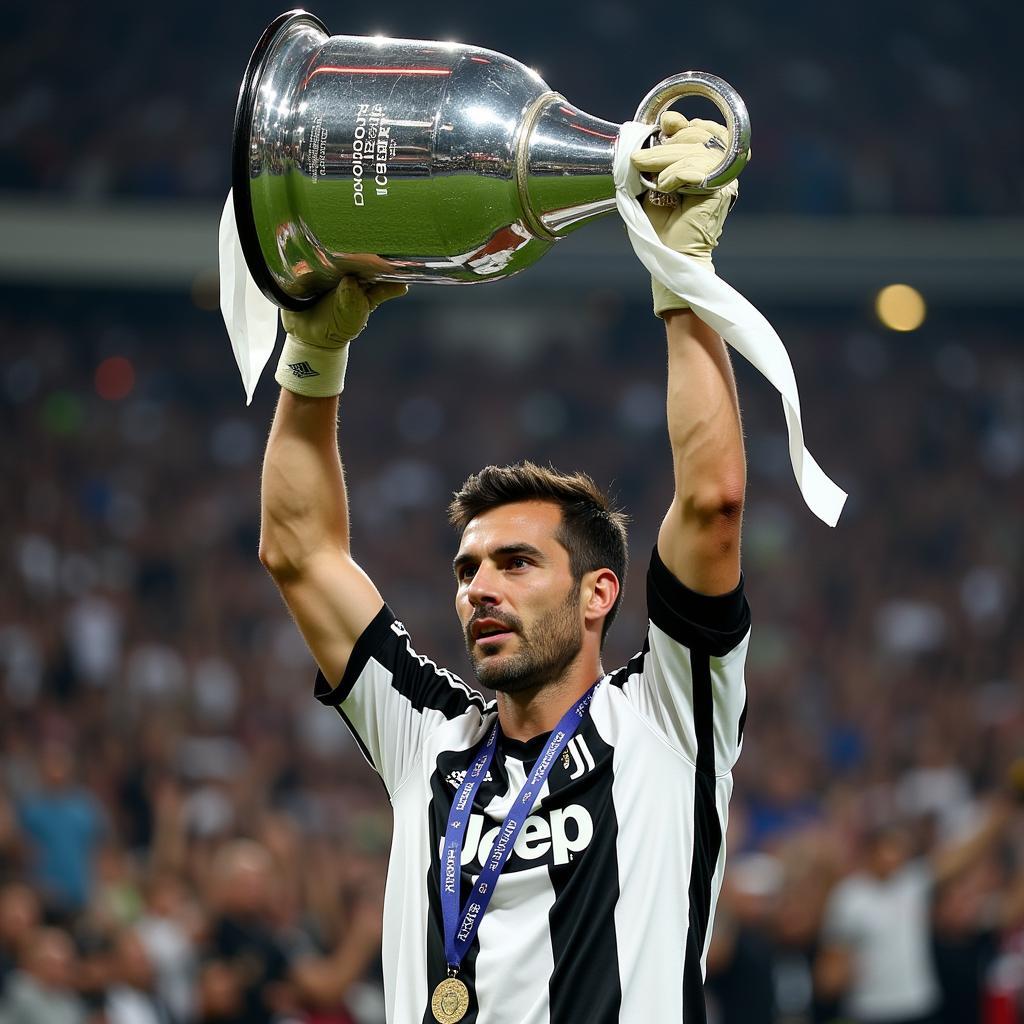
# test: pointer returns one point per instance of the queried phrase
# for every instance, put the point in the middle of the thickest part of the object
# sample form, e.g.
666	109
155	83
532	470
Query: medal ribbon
460	930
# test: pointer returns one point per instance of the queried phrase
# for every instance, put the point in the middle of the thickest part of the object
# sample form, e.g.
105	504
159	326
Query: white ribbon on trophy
250	317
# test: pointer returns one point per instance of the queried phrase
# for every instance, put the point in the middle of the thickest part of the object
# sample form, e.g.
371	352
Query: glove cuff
665	300
310	370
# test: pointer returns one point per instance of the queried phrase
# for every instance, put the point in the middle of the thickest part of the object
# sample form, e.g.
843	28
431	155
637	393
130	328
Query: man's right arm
304	535
389	696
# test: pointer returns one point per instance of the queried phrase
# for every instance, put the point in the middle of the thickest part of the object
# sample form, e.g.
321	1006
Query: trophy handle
729	103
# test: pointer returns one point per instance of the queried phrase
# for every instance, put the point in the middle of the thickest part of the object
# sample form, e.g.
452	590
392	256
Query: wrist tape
310	370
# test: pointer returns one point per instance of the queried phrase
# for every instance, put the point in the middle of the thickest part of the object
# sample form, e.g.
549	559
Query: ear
600	590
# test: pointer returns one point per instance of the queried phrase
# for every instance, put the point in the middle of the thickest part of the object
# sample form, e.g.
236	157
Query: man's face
517	601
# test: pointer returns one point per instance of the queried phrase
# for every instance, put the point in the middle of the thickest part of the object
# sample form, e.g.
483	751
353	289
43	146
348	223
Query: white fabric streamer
723	308
250	317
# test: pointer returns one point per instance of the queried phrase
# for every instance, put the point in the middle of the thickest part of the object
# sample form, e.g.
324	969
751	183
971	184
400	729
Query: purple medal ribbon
460	931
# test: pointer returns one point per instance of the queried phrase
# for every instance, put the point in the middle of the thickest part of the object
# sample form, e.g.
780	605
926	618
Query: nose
483	591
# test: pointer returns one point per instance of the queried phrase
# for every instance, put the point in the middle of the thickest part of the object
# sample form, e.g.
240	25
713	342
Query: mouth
486	632
493	639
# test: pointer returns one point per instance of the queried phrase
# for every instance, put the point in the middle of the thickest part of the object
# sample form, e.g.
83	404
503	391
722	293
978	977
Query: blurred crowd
873	108
187	836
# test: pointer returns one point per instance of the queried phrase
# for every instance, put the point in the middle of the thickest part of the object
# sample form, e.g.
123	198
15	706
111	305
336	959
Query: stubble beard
544	653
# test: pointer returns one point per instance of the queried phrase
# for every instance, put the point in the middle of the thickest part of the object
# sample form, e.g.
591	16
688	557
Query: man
65	826
42	991
242	932
20	916
876	954
586	809
133	997
169	943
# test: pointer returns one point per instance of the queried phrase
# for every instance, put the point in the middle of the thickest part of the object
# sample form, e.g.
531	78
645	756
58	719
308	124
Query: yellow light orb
900	307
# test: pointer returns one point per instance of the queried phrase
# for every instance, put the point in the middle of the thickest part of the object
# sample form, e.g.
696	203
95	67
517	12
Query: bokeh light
115	378
900	307
62	413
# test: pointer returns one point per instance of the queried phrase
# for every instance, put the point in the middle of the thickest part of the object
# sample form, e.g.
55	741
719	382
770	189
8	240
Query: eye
465	573
517	562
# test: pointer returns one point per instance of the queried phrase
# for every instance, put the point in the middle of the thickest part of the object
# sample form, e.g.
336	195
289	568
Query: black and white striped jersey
602	913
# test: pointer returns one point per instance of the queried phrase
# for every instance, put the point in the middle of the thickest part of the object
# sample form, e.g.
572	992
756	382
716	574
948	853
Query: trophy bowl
419	161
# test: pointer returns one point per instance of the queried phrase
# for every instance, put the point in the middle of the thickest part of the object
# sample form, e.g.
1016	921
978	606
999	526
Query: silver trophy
408	160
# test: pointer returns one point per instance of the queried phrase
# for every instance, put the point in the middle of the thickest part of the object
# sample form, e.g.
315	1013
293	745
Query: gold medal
450	1001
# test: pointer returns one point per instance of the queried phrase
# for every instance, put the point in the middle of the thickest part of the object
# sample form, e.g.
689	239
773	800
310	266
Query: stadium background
154	698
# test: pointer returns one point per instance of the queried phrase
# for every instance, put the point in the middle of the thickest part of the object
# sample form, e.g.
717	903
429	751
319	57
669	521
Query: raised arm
700	536
699	539
304	536
1003	810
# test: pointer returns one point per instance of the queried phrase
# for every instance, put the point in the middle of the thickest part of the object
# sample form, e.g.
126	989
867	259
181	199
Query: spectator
971	913
739	968
166	934
19	918
241	934
132	999
877	929
41	992
221	998
64	826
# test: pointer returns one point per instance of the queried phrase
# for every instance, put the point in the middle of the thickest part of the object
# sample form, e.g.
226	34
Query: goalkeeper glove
690	151
315	351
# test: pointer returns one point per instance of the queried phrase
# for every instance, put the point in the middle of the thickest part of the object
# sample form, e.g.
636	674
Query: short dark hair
592	531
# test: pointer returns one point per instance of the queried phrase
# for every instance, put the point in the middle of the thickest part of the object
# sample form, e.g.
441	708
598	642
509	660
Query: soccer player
558	851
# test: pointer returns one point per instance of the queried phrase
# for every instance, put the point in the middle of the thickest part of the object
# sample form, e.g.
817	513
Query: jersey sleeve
392	698
687	682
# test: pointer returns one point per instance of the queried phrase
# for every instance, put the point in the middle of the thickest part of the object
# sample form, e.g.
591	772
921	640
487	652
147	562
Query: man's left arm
687	683
699	540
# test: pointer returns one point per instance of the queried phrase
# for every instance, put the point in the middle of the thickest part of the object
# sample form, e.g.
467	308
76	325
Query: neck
535	711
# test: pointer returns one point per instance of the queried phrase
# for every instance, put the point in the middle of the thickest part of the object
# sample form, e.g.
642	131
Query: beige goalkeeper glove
315	351
690	151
